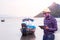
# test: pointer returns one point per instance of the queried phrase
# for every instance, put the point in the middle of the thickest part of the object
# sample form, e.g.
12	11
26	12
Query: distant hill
6	16
55	10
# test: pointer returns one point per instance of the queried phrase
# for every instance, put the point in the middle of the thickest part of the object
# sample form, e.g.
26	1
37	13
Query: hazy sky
22	8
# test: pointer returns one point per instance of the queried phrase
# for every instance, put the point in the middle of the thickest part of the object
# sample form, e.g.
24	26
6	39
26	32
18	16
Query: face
46	14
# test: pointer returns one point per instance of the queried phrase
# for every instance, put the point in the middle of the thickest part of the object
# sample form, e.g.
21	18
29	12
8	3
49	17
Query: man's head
46	12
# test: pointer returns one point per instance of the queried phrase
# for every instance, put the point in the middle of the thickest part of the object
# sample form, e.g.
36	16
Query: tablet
42	27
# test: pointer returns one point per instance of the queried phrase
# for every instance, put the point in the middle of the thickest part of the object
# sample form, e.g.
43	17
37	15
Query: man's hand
46	27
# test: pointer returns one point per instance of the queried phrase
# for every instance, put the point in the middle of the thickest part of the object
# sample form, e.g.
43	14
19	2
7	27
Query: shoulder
53	19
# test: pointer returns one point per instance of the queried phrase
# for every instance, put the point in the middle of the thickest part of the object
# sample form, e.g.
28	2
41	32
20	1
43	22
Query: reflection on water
28	37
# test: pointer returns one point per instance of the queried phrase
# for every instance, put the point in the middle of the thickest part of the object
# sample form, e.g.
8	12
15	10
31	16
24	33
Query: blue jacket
31	26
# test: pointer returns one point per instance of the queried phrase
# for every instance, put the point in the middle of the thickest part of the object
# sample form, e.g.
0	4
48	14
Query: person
23	29
50	25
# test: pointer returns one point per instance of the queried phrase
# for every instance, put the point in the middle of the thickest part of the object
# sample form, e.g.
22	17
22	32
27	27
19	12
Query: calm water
10	30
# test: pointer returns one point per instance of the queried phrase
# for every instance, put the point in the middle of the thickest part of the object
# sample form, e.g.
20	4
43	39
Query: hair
23	25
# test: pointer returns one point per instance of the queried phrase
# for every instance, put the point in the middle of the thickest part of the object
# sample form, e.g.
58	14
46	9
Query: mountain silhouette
55	10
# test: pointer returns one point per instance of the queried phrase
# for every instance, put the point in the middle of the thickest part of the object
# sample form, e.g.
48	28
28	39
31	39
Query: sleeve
54	27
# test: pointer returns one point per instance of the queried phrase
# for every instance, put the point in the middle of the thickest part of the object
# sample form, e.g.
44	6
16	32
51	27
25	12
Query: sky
24	8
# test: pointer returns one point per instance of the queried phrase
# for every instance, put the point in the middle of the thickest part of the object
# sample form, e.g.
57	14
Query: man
50	25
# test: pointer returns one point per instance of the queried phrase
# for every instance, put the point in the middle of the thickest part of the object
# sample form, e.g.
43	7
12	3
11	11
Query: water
10	30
